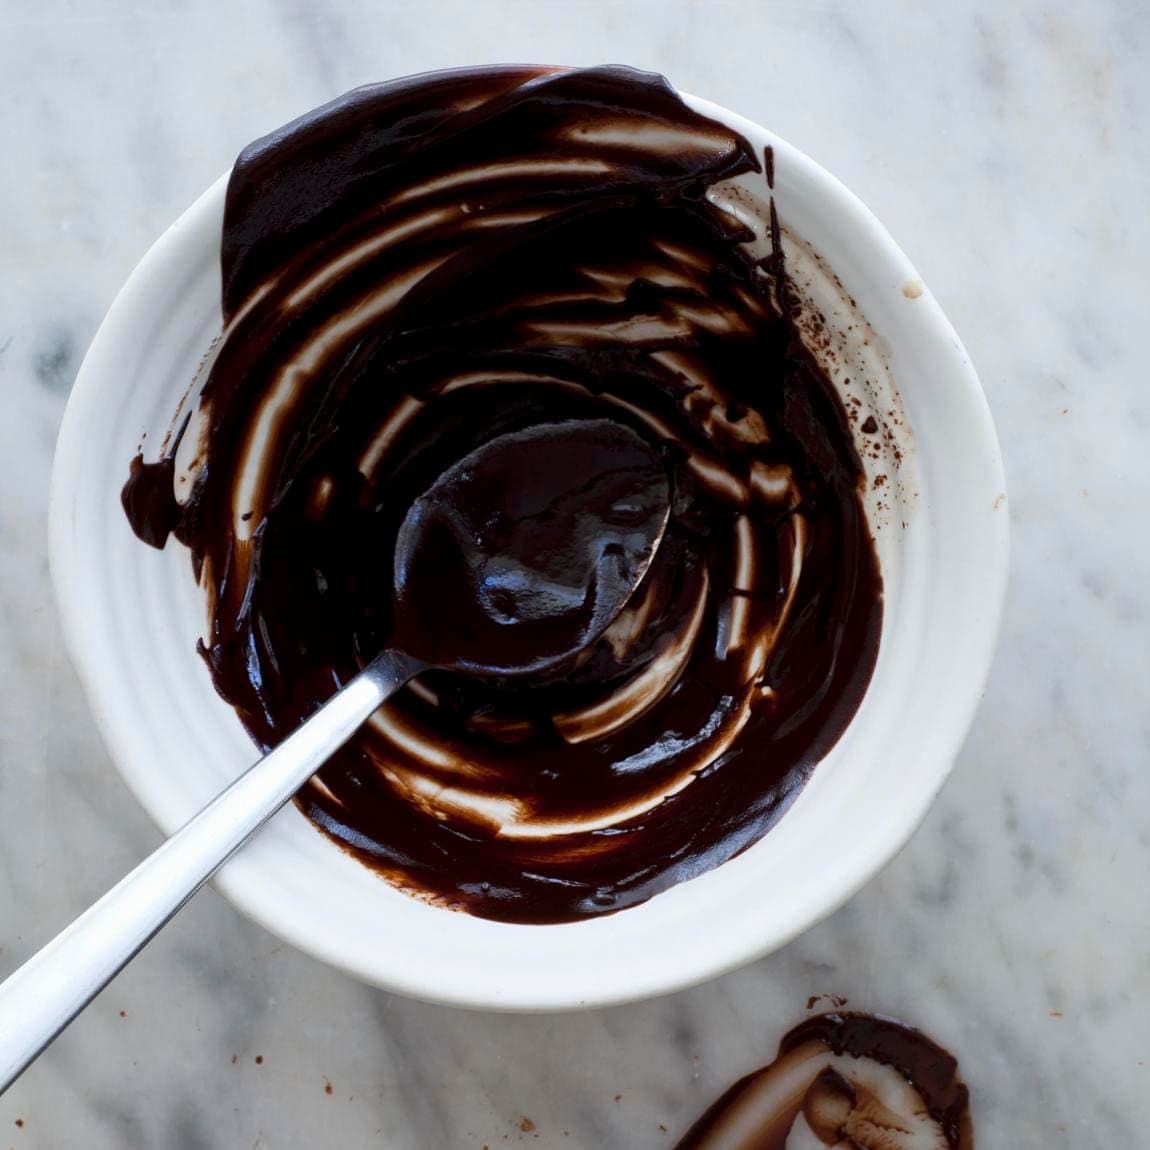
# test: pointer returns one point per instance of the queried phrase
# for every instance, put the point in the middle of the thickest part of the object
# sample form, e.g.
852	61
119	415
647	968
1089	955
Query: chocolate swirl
844	1080
418	267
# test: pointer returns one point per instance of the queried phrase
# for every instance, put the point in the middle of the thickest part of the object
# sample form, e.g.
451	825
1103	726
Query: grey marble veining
1008	149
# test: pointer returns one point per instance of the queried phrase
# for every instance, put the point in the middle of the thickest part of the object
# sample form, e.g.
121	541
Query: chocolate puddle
844	1080
416	268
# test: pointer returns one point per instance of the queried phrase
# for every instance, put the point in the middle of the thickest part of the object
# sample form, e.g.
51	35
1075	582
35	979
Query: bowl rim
236	884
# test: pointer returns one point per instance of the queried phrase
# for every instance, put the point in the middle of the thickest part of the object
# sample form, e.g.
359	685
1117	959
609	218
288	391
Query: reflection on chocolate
418	268
844	1080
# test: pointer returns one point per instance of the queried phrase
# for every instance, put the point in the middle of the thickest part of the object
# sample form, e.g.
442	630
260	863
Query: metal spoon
574	595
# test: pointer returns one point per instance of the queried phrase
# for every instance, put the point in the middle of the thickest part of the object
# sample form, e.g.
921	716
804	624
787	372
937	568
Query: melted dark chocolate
821	1077
148	502
422	266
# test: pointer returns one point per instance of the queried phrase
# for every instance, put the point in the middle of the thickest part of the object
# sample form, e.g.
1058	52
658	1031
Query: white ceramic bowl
132	616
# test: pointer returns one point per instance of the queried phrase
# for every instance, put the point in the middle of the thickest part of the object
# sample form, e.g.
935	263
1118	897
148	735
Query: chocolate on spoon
523	553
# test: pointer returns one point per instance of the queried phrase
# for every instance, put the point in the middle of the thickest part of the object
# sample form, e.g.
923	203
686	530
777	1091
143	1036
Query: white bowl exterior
132	616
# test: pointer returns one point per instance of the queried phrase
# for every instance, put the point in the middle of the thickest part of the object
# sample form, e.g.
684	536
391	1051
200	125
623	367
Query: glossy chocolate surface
416	269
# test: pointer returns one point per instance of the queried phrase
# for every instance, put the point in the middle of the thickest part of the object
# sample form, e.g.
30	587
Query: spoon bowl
523	553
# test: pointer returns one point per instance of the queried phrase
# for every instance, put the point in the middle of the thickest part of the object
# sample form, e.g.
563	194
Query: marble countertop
1007	147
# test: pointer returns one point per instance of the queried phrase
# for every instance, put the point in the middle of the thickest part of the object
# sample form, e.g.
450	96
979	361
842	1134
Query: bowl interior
132	616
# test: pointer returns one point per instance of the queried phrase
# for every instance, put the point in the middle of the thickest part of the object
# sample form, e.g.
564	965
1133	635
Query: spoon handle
41	997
